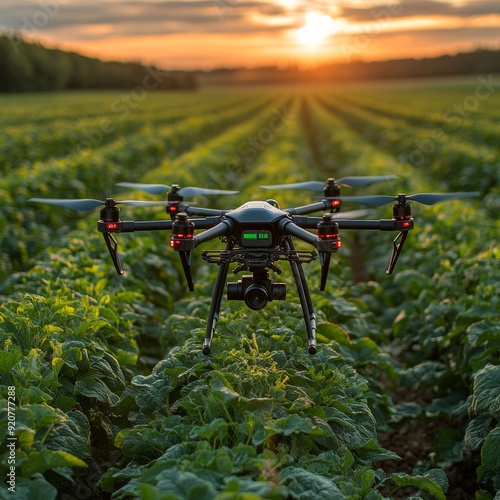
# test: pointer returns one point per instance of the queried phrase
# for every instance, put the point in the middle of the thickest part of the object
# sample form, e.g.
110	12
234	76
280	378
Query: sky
207	34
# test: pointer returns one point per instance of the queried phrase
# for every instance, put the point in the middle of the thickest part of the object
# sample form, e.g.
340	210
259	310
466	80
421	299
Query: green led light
255	236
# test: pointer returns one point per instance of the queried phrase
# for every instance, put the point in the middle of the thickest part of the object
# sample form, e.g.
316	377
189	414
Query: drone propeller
319	186
424	198
186	191
89	204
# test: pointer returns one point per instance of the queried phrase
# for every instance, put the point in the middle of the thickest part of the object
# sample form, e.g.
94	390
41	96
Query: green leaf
33	488
150	492
8	359
401	480
215	430
37	416
483	331
371	452
477	430
141	441
489	452
292	424
327	331
449	447
306	485
49	459
94	388
72	435
486	391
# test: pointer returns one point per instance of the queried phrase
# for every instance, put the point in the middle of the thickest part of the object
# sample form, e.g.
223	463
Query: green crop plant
113	397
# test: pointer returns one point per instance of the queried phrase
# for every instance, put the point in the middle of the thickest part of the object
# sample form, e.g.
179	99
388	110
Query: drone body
258	234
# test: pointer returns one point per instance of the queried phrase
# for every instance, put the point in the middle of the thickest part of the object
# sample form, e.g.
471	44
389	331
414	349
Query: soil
414	443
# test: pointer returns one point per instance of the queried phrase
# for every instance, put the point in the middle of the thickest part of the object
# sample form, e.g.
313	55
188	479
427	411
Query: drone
257	235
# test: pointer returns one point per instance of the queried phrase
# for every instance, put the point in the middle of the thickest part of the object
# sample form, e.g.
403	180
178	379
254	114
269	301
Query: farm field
113	397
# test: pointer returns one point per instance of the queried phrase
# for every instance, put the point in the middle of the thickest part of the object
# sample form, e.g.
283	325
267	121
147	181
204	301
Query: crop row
109	374
56	138
208	409
441	309
75	177
457	164
469	114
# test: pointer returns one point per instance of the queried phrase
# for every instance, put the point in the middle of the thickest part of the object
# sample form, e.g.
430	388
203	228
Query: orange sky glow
205	34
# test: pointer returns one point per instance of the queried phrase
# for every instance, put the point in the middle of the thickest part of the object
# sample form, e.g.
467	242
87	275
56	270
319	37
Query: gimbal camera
257	235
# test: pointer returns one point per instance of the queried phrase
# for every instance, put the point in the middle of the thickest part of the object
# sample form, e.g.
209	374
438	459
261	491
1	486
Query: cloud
423	8
94	19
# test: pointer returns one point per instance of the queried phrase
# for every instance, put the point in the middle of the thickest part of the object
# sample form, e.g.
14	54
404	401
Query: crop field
105	392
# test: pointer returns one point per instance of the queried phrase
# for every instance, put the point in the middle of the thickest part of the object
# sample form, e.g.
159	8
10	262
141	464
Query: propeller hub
402	209
331	188
110	212
110	203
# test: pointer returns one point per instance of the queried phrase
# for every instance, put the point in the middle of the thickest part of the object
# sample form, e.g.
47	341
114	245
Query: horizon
206	35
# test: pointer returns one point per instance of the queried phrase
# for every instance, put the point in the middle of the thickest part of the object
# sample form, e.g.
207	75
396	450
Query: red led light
336	203
339	244
172	208
111	226
185	236
175	243
406	224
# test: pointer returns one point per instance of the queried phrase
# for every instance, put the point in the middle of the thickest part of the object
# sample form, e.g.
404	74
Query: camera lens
256	297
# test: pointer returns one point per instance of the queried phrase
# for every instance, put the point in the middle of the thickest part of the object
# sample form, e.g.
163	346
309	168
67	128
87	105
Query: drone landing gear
300	281
213	315
305	299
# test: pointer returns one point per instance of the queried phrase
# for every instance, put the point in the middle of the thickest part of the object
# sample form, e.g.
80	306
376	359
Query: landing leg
305	301
213	315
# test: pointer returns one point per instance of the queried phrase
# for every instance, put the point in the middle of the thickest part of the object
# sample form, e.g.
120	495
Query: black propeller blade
358	181
424	198
185	191
89	204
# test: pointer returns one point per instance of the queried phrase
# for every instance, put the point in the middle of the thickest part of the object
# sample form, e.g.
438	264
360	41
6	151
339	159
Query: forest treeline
29	67
481	61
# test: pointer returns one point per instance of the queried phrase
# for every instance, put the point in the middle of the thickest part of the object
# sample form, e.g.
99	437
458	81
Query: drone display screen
256	238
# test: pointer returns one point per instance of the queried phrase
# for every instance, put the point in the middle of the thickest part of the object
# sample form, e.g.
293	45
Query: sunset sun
317	28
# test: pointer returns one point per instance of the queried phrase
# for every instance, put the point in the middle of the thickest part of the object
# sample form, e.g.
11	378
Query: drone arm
309	209
221	229
130	226
289	227
374	225
201	211
403	225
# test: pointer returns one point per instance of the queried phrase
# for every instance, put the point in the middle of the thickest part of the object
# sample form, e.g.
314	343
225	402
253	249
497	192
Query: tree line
29	67
481	61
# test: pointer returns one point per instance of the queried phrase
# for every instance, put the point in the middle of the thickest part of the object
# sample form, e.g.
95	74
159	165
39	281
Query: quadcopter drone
257	235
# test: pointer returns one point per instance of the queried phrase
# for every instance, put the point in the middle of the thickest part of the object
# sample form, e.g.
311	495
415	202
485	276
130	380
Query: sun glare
317	27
